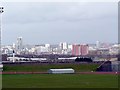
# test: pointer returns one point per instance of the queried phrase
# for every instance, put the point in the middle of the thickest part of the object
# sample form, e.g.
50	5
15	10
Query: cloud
55	22
47	12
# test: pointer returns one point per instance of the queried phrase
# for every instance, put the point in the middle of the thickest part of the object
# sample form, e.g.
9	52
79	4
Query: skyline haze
54	22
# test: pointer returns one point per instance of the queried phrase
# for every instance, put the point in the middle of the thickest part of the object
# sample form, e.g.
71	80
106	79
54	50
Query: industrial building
109	66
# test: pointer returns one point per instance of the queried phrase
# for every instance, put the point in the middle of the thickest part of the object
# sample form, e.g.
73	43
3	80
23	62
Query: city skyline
60	22
58	43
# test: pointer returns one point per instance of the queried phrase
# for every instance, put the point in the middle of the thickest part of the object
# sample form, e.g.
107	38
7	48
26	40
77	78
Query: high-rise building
47	46
13	46
63	46
80	49
76	50
19	45
97	44
84	49
70	46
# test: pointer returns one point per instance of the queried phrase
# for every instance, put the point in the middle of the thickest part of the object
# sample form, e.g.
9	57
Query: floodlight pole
1	11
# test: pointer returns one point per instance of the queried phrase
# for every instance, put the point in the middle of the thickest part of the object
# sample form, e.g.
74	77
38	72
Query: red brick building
80	49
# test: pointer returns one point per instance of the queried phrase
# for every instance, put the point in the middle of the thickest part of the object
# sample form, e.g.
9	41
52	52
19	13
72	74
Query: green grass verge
60	81
45	67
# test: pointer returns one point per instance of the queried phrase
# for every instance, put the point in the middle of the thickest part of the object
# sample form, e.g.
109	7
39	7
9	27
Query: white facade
63	46
7	50
41	49
70	46
114	49
97	44
14	45
47	45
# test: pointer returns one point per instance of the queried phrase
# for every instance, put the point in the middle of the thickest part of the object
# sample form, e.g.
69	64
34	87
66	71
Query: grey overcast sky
54	22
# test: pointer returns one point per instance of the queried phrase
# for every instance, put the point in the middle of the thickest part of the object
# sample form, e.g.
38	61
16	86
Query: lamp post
1	11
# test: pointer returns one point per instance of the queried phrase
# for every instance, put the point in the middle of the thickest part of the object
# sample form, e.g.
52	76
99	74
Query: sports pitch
45	67
60	81
57	80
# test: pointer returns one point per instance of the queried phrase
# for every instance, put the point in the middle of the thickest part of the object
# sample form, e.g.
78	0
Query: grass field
56	80
60	81
45	67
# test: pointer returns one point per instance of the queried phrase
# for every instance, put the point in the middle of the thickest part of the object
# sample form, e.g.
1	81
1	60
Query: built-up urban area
62	48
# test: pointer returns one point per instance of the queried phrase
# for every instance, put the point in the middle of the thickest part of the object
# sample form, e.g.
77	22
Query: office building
19	45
